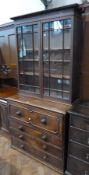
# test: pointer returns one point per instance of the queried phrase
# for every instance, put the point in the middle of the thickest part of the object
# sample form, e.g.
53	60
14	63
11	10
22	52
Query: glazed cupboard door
56	58
28	57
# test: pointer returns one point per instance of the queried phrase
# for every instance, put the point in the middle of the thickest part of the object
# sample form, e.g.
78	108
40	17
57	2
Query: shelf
52	29
57	76
55	49
29	85
46	75
29	49
62	61
29	73
29	60
49	89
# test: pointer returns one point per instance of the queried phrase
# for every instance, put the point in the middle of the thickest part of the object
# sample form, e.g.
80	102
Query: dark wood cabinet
78	146
4	115
38	128
48	58
48	69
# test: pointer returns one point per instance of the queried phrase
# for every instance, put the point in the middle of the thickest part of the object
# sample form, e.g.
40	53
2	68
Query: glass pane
57	59
45	40
67	24
35	28
56	35
67	55
56	55
27	29
66	68
27	44
28	66
66	96
21	79
56	40
36	39
57	26
55	68
45	26
56	94
45	55
19	36
20	66
66	85
67	33
55	83
18	30
36	46
28	62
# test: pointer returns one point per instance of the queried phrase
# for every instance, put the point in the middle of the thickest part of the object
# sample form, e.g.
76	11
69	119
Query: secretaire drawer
55	162
38	143
79	151
79	122
52	123
79	136
39	133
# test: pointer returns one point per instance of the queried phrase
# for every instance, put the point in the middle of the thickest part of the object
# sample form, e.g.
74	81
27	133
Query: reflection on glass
56	40
45	40
57	26
67	34
27	29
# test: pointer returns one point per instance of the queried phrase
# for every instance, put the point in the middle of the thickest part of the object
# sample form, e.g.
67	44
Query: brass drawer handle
21	137
29	121
20	127
44	121
45	157
18	113
44	137
22	146
45	147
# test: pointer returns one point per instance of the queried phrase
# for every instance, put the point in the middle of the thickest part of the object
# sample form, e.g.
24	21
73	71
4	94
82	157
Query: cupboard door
56	49
28	57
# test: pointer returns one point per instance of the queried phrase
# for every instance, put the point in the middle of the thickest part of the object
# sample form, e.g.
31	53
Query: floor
13	162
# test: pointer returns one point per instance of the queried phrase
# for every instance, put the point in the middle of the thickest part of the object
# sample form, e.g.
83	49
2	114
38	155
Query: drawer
79	151
44	157
52	123
38	133
37	144
79	122
79	136
77	167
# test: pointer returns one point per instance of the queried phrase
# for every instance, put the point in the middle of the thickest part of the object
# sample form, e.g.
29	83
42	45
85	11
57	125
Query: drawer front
79	122
77	167
44	157
37	144
79	151
51	123
40	134
79	136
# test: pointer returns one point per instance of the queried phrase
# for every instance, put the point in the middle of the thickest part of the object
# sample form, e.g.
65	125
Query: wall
11	8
